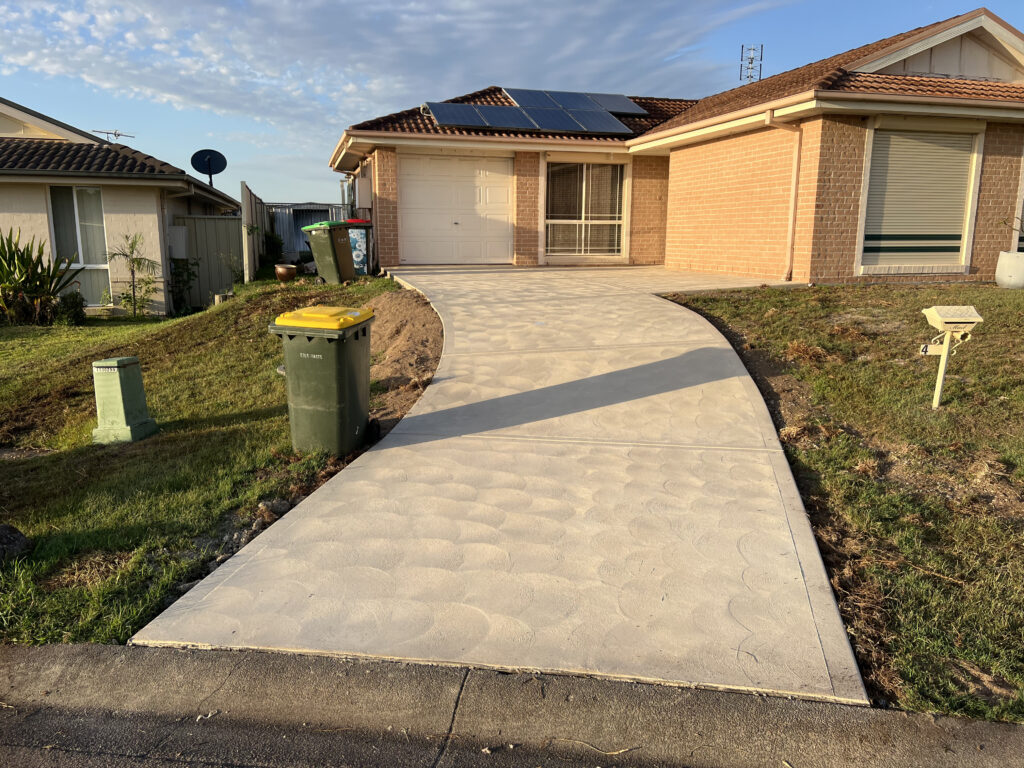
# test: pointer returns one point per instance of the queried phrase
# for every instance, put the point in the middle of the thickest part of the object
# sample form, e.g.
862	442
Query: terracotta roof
412	121
56	156
819	75
916	85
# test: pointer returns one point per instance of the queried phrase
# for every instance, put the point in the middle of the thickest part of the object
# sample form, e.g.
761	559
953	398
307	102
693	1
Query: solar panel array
554	111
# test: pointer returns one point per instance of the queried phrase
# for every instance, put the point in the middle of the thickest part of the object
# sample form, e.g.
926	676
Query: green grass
919	513
116	528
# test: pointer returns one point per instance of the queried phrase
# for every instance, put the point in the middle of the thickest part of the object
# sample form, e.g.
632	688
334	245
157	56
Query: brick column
385	205
997	196
527	226
648	209
831	208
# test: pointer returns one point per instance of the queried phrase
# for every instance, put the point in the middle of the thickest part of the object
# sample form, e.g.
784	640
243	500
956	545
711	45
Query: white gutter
524	143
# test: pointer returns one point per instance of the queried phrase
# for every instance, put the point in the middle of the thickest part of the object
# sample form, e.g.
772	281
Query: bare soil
405	344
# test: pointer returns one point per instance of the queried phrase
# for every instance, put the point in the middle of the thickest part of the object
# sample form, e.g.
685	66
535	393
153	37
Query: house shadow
693	368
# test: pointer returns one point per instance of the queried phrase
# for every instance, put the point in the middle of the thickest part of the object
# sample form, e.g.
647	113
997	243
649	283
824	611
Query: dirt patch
405	344
87	570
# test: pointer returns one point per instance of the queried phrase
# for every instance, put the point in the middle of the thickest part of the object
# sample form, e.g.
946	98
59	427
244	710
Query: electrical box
956	319
121	410
364	192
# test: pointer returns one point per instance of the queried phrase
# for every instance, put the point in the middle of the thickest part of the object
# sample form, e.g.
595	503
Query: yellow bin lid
329	318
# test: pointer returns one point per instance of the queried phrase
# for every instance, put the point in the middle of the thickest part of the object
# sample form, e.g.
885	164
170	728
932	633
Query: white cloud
330	64
306	69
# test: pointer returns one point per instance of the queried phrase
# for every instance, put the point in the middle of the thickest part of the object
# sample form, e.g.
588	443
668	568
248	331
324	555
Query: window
917	201
584	209
76	215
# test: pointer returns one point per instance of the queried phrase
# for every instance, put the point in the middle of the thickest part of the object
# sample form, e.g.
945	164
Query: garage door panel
418	193
435	192
426	223
495	195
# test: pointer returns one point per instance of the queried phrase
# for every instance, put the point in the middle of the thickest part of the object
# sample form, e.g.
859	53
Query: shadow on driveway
690	369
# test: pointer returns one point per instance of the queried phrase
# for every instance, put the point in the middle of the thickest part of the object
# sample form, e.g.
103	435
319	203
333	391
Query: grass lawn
117	528
919	513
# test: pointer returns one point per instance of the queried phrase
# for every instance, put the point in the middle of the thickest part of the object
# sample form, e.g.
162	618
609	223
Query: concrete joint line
451	725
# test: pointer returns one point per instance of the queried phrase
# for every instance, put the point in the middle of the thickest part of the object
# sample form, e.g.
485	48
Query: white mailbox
952	318
954	323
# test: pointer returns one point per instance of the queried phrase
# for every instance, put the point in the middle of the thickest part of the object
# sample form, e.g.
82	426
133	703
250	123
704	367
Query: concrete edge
458	710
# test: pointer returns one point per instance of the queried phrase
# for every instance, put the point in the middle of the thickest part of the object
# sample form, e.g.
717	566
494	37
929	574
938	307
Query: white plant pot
1010	270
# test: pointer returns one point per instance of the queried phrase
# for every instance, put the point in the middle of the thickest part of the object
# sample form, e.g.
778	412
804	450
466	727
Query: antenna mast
114	134
750	62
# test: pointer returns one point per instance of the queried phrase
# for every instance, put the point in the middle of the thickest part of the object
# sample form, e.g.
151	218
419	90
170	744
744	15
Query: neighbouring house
288	219
81	194
899	160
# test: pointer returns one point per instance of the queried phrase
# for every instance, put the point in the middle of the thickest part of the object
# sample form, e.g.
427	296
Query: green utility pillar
120	401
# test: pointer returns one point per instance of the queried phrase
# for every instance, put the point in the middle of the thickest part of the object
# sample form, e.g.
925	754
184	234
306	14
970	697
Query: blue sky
272	83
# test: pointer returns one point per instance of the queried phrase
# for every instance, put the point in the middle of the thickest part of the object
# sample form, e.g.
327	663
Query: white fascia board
739	125
871	103
371	139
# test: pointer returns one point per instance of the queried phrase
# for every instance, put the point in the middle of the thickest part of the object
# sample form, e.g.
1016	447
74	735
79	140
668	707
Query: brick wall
526	188
385	205
837	203
648	210
997	197
728	204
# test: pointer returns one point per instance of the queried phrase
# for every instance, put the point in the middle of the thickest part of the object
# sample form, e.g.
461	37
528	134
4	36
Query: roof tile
58	156
413	121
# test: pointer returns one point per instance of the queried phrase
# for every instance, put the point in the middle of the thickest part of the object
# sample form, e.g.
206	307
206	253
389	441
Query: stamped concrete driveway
592	484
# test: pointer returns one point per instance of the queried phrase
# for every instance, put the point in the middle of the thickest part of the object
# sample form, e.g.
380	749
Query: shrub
69	309
30	285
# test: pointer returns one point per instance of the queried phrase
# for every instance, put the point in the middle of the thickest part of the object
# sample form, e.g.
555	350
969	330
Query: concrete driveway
591	485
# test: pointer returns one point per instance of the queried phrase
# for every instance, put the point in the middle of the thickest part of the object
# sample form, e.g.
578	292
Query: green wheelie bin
327	369
332	251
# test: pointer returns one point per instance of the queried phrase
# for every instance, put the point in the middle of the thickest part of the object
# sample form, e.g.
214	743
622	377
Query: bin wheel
373	430
320	281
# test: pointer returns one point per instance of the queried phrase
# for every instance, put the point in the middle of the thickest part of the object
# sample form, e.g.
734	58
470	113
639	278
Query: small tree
130	252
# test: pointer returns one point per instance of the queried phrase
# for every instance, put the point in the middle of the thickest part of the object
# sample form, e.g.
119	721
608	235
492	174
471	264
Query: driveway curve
592	485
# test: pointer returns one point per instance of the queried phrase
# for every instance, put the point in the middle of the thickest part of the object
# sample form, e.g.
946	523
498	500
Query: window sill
914	269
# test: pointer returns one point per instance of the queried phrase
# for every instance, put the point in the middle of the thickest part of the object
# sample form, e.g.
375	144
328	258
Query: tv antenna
750	62
210	162
114	134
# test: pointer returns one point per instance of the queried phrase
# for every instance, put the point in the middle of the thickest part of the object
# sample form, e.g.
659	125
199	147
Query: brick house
898	160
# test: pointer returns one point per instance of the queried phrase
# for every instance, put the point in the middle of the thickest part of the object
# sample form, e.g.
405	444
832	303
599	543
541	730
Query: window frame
936	125
80	264
584	221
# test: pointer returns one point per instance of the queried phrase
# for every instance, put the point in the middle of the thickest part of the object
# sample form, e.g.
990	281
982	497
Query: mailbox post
955	323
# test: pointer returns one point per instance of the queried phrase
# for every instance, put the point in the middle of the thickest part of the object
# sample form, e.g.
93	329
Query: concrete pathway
591	485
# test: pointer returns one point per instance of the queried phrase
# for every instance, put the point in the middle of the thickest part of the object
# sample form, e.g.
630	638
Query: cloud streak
325	65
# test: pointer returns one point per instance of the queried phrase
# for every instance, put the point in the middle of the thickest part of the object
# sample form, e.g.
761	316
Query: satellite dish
210	162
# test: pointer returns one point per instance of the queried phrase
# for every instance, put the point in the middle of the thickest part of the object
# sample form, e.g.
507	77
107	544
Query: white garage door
454	210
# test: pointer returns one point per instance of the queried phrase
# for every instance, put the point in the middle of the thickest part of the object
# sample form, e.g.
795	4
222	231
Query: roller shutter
917	198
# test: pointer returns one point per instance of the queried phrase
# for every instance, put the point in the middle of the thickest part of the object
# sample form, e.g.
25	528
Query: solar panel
617	104
524	97
554	120
569	100
463	115
597	121
505	117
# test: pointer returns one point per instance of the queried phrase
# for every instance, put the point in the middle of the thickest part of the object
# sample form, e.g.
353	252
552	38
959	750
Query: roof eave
179	181
356	144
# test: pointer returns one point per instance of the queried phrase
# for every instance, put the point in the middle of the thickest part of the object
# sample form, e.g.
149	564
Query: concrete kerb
283	709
